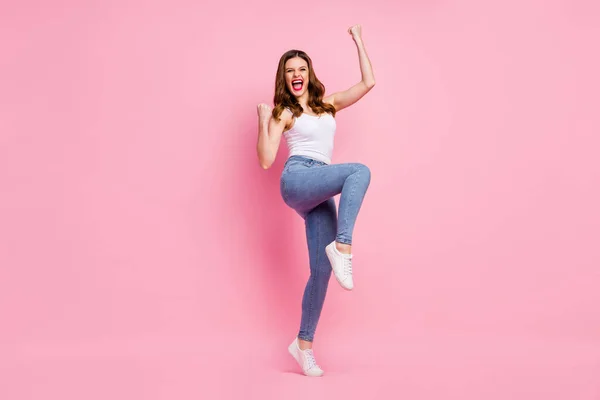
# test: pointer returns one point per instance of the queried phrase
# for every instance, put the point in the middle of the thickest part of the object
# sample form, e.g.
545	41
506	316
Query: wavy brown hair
285	99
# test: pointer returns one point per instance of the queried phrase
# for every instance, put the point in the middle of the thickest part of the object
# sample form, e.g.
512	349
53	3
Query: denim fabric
308	187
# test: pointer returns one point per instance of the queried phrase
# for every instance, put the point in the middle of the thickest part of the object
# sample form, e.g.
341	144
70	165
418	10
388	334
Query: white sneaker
341	265
306	359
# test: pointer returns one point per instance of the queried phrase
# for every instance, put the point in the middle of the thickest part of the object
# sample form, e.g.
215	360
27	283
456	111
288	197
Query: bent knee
364	171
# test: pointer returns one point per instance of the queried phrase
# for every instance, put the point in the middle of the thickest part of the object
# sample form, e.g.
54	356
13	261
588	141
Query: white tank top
312	136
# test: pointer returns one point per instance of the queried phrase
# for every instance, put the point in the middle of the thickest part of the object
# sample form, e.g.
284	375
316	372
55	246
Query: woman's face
296	76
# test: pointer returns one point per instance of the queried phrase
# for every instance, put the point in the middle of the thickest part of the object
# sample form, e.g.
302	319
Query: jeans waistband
310	161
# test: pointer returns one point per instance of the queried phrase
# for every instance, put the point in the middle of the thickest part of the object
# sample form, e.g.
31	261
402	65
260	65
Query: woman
309	181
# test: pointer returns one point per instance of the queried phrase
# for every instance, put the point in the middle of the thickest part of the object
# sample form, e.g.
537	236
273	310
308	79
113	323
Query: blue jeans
308	186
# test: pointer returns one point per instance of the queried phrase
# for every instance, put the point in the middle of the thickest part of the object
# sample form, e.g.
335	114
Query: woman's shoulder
287	118
282	112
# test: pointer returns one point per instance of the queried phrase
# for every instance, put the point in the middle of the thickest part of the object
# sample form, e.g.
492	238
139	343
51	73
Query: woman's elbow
265	163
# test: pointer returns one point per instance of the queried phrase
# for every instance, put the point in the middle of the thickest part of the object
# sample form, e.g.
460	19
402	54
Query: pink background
146	255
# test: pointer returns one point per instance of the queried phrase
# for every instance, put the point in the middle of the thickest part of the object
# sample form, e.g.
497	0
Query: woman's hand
355	31
264	111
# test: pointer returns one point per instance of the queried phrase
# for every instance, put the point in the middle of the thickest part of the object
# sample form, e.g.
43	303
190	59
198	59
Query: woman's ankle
304	344
343	248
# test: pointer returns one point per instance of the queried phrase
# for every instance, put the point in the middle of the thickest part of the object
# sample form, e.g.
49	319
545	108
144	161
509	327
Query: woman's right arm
269	135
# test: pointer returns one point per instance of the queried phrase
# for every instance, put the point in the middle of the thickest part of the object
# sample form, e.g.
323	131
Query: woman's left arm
341	100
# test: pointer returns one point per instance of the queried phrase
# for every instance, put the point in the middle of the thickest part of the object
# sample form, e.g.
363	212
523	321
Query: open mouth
297	84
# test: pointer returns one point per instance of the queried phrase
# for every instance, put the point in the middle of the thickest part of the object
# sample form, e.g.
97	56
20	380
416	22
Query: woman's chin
297	94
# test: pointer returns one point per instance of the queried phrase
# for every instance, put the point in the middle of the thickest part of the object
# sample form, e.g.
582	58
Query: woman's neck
303	101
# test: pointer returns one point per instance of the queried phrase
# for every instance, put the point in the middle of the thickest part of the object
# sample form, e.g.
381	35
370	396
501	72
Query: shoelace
310	359
347	266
